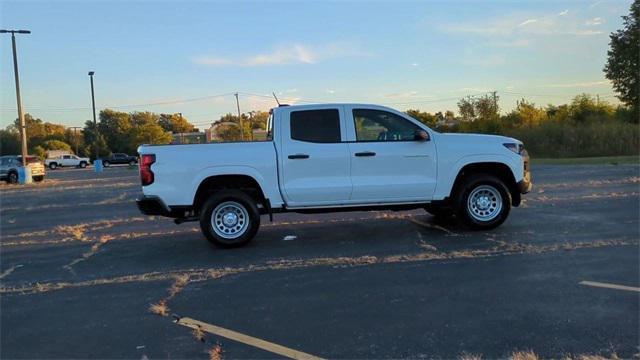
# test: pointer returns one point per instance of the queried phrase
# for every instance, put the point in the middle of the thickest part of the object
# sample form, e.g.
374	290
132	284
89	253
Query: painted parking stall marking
609	286
246	339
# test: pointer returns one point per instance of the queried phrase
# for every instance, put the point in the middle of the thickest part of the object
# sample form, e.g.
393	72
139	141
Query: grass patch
216	352
600	160
159	308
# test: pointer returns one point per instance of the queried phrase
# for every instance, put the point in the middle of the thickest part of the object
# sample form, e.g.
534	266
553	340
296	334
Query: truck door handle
299	156
365	153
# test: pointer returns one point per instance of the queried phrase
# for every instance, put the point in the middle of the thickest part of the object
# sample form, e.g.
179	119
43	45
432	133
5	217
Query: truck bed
179	169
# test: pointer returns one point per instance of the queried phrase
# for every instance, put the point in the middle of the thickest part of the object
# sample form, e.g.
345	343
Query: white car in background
66	160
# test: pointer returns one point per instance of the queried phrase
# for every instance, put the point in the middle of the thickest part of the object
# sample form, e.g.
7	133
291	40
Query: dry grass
159	308
198	334
216	352
76	231
523	355
180	282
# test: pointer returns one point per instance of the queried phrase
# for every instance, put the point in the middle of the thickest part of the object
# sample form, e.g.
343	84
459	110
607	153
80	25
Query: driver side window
378	125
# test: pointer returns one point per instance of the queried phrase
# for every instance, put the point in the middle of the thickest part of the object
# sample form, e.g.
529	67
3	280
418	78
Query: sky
192	56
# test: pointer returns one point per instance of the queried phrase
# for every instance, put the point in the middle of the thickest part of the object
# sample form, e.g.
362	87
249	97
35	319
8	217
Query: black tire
470	213
132	163
53	166
233	198
83	164
439	211
106	163
12	178
38	178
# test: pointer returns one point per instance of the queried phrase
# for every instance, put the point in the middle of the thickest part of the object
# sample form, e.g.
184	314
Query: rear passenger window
317	126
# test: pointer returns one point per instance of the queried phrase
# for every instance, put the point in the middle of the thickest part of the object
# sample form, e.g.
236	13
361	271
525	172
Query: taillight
146	175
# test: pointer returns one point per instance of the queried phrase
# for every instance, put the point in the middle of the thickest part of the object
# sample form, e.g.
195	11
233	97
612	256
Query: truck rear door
315	156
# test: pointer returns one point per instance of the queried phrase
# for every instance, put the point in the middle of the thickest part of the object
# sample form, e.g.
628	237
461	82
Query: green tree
525	114
424	117
146	130
55	145
116	127
585	108
9	142
93	140
623	63
467	109
227	128
175	123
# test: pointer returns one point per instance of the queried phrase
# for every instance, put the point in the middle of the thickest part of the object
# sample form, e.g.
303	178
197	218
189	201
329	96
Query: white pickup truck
334	157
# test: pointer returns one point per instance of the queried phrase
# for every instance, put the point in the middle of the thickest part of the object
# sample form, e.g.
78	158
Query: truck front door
388	162
315	157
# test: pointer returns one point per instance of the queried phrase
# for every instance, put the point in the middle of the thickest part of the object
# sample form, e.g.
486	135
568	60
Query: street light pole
23	127
95	124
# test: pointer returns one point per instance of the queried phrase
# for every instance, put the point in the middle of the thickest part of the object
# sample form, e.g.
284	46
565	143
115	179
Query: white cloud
401	95
282	55
528	21
578	85
330	91
595	21
594	4
519	24
415	64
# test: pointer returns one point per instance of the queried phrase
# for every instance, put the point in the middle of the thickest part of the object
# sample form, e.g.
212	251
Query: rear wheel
132	163
53	166
38	178
12	178
483	202
106	163
230	218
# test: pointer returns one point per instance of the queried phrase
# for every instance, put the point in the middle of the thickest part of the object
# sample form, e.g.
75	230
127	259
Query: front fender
448	172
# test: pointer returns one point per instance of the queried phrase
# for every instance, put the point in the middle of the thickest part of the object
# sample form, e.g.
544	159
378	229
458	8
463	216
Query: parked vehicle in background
66	160
119	158
334	157
9	165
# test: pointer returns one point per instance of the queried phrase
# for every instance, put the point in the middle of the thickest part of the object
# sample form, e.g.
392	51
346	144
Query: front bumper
525	185
152	205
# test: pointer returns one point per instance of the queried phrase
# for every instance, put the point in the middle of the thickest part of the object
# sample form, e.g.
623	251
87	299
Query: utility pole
251	123
95	123
23	127
75	136
240	118
181	132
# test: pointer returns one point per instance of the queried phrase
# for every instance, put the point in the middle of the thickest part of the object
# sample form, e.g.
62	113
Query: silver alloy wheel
484	203
230	220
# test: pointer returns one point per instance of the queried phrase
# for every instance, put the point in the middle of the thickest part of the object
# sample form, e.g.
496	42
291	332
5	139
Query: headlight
516	148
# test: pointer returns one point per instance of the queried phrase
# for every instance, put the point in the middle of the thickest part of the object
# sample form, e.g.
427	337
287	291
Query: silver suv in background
9	165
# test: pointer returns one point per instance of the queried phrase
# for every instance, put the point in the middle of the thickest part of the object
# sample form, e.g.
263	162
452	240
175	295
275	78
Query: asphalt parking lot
80	268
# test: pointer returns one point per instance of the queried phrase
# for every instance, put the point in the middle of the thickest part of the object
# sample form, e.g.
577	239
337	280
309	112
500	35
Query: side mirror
421	135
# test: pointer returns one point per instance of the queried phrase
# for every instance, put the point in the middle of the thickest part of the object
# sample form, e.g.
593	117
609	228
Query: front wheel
132	163
106	163
230	218
38	178
83	165
483	202
53	166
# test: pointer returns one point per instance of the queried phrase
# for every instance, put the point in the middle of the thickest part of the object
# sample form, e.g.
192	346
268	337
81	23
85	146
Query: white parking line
246	339
609	286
